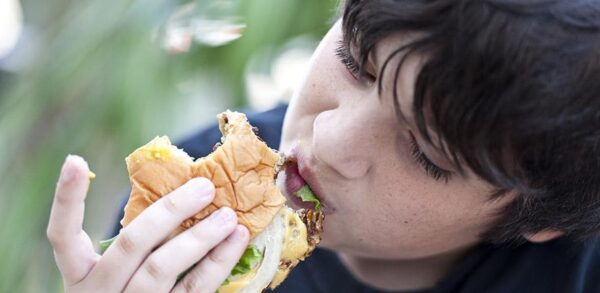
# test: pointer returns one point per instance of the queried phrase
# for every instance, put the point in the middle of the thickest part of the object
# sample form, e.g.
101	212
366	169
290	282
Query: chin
330	239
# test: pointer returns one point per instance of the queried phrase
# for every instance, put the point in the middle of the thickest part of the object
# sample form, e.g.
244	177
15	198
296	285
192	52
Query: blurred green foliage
101	86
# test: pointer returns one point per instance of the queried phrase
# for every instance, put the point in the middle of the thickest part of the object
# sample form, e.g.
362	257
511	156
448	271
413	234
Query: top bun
242	168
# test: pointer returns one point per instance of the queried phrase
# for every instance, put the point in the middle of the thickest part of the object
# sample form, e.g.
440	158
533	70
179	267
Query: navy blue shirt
560	265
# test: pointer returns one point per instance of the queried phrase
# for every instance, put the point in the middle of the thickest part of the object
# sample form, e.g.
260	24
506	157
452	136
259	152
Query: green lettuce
104	244
252	256
306	194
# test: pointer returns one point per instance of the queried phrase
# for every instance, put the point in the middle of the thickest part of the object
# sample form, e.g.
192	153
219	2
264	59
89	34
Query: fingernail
223	215
68	174
240	233
69	171
202	186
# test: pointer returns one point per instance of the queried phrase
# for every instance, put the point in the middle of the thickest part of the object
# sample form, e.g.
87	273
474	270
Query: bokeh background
99	78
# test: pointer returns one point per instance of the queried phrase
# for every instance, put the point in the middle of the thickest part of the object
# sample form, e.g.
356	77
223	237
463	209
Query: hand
140	260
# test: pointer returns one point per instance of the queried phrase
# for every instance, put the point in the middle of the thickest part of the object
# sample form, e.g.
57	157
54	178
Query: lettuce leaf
306	194
252	256
104	244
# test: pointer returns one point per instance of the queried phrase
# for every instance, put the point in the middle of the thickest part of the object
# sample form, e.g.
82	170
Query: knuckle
170	206
217	258
62	198
192	282
52	236
155	269
125	243
56	239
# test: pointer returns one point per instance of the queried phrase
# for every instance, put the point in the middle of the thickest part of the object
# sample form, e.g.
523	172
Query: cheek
410	217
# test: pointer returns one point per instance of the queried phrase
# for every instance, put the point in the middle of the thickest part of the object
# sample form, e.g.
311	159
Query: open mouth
295	185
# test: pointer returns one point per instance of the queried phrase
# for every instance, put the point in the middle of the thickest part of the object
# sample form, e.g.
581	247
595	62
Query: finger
151	228
160	270
73	250
210	272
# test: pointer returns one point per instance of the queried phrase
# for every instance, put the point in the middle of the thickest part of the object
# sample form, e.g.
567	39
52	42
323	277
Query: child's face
384	203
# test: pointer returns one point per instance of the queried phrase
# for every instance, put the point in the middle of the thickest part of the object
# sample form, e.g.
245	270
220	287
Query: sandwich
243	169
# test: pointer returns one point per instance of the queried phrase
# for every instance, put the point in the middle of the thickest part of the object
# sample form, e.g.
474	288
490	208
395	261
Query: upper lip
308	173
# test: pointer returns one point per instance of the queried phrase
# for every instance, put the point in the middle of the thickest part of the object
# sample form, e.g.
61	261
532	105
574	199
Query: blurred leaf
100	86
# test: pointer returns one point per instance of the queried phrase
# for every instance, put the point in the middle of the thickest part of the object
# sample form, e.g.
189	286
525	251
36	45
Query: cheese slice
295	241
235	284
295	247
284	242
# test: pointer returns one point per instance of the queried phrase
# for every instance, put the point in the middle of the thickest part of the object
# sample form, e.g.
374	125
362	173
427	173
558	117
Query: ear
543	236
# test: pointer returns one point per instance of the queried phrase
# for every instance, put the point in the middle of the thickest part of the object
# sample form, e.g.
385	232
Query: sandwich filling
290	238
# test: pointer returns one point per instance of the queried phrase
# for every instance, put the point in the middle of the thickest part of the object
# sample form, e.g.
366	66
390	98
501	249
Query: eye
429	167
346	58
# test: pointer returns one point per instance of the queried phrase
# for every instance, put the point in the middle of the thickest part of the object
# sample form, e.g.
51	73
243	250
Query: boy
455	144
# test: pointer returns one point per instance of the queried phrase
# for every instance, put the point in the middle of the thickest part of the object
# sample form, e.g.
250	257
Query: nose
340	141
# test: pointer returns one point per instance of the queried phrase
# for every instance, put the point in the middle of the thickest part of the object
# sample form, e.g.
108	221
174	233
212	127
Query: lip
308	175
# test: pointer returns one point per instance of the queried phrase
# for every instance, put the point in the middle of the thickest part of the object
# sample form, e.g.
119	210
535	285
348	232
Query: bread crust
242	168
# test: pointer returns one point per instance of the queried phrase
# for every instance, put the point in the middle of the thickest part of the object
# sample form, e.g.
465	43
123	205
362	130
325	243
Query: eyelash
343	54
437	173
430	168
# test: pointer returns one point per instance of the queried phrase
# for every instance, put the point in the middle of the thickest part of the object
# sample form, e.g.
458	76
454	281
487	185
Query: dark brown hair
512	89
